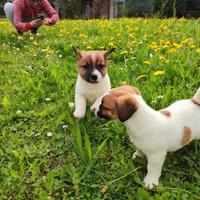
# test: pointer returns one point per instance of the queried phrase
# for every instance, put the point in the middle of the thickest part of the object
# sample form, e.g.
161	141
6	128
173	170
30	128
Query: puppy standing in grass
154	133
93	80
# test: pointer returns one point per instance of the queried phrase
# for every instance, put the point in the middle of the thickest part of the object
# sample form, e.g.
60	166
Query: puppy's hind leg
80	106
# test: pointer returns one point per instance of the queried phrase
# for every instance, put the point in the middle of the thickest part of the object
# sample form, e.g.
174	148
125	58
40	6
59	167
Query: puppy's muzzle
101	115
94	77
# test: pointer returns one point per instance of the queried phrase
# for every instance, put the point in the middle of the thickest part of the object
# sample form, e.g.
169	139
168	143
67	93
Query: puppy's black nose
94	77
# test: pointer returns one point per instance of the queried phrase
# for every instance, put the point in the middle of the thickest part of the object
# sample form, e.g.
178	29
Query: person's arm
23	26
20	26
51	13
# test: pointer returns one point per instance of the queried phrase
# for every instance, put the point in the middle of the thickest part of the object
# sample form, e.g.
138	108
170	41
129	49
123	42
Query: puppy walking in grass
154	133
93	80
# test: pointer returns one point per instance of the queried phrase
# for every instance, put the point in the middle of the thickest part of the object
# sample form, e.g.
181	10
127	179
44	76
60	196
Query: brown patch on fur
119	103
109	109
125	89
165	112
126	106
131	89
195	102
186	136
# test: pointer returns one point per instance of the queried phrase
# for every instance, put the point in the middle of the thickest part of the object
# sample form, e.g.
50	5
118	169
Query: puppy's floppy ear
107	53
77	52
126	106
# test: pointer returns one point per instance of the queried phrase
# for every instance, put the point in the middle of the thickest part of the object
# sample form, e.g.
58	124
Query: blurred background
89	9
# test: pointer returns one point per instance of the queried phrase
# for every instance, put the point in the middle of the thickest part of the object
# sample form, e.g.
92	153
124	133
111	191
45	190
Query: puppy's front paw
93	108
78	114
149	182
137	154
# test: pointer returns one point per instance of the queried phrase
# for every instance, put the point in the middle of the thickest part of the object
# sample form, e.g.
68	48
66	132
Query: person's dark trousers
34	30
19	32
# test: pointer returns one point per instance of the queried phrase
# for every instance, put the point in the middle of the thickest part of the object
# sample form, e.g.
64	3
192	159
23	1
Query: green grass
91	158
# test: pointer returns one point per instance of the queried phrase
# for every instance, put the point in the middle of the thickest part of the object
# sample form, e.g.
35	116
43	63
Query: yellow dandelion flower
167	43
176	33
162	41
147	62
161	58
132	35
186	41
165	46
20	37
35	43
88	47
47	50
159	73
62	31
111	44
165	28
172	50
31	38
145	37
198	50
153	45
177	45
101	47
124	52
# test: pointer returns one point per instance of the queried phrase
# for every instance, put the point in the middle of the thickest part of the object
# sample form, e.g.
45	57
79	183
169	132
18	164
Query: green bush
176	8
1	8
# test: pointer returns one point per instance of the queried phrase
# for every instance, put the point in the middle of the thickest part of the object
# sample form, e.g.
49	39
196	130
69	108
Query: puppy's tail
196	97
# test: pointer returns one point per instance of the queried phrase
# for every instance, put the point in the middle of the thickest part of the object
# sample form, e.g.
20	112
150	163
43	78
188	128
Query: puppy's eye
101	65
85	66
104	107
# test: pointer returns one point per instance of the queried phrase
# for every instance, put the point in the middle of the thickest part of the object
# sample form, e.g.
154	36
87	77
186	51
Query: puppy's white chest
91	91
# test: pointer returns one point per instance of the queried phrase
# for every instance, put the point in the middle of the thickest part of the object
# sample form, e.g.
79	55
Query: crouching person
28	15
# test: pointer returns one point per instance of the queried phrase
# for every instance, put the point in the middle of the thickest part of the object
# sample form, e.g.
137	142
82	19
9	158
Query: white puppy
93	81
154	133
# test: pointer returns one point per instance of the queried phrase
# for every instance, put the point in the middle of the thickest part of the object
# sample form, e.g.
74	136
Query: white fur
155	134
92	92
98	74
197	96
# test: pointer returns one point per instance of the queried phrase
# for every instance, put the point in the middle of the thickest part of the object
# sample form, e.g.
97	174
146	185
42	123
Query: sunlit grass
46	153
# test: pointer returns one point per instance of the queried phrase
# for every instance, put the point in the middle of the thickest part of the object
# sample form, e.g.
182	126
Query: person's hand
36	23
47	22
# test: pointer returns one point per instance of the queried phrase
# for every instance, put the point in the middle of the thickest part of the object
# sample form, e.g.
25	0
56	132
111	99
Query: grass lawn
46	154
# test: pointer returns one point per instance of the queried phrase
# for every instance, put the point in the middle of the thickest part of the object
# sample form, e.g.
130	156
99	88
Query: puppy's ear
77	52
126	106
107	53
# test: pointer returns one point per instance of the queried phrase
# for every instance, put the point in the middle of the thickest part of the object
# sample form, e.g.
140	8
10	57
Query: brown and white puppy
93	80
154	133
